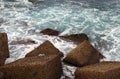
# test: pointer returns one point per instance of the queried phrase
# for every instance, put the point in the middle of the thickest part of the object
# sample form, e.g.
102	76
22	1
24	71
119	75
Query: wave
97	18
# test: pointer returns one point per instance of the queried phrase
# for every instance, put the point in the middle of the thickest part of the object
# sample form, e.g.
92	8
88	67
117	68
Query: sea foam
100	20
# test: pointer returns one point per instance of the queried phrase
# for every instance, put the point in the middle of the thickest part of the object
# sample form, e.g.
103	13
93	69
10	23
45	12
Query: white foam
23	20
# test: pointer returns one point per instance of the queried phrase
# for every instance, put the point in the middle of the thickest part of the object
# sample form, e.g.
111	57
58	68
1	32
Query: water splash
99	19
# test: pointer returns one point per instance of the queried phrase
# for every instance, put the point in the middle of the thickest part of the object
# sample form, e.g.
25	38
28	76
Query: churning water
99	19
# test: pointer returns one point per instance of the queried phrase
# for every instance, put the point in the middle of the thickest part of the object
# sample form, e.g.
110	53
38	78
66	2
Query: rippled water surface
99	19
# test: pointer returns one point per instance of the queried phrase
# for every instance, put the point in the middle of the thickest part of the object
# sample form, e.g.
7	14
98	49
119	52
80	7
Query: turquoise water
99	19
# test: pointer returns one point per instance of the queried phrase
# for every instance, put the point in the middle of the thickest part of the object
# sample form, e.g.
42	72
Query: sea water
99	19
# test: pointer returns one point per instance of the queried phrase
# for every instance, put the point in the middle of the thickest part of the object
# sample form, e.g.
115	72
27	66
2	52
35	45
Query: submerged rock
36	2
40	67
50	32
103	70
83	54
24	41
77	38
47	48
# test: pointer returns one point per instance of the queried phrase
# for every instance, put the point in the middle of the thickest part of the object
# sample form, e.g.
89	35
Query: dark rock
50	32
4	50
36	1
83	54
40	67
4	45
24	41
77	38
47	48
2	61
32	1
101	56
104	70
1	75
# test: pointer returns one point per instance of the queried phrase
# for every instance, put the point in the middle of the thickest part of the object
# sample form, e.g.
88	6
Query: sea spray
99	19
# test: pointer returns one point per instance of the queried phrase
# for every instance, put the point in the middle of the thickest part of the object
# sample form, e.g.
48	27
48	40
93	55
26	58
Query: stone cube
83	54
76	38
4	50
47	48
103	70
39	67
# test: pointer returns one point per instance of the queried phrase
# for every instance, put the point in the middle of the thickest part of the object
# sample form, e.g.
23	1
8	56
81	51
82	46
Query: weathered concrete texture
39	67
104	70
4	50
77	38
83	54
4	45
47	48
1	75
50	32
